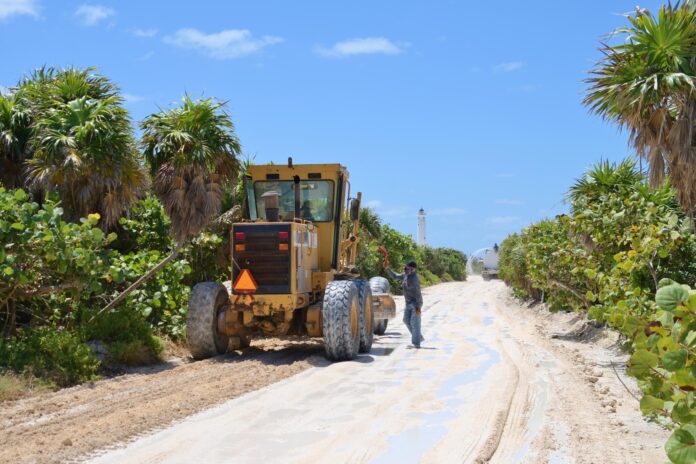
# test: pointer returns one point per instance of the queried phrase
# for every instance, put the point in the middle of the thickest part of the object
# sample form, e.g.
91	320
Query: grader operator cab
293	268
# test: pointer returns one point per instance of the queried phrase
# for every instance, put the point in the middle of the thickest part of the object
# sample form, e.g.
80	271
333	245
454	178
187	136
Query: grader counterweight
294	268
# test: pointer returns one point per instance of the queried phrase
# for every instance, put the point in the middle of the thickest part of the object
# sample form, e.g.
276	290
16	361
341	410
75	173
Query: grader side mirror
354	209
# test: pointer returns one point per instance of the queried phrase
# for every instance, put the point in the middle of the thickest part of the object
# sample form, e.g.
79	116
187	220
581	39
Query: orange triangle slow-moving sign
245	282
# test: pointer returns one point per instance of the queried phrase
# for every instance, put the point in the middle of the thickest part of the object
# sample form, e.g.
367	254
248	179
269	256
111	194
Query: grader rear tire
367	320
207	300
381	326
341	314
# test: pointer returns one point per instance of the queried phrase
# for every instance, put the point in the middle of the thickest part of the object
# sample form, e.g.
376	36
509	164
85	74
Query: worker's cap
412	264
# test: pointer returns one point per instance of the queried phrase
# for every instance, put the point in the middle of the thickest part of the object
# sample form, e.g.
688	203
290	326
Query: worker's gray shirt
411	284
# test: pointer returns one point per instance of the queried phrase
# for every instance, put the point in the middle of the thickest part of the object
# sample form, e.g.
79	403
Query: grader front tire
367	319
381	326
379	284
207	300
341	325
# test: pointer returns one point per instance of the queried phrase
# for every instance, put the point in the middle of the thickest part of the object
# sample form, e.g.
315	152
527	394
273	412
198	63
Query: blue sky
469	110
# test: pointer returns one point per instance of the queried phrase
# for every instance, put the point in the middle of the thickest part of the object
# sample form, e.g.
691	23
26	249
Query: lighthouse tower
421	228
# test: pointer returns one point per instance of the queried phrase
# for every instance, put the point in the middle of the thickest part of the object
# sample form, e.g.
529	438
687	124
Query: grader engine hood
265	250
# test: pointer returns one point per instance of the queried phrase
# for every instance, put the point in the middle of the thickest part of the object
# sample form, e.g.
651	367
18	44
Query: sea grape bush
664	362
616	257
55	275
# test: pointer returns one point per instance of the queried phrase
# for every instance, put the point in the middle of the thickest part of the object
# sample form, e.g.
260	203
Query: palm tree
83	146
192	152
647	86
14	140
370	223
605	177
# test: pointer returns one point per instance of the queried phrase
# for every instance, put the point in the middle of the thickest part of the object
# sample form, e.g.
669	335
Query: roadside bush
55	355
614	258
45	259
56	275
664	362
434	264
162	300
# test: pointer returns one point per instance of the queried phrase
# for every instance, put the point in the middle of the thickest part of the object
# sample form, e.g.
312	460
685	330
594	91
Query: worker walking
414	300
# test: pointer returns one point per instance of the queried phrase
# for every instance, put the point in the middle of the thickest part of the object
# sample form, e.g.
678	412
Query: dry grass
14	387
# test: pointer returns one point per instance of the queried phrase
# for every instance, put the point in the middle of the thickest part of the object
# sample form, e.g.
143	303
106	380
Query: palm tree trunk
140	281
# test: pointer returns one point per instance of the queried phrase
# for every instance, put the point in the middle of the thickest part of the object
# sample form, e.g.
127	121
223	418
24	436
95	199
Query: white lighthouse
421	228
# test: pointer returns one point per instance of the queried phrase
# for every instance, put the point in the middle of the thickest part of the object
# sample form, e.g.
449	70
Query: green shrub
55	355
136	352
145	228
664	362
434	264
614	258
162	300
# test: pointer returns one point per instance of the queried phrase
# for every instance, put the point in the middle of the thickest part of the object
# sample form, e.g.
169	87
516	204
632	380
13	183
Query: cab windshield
316	199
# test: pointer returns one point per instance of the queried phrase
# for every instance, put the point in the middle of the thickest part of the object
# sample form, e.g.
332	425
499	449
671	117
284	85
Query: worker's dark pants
413	323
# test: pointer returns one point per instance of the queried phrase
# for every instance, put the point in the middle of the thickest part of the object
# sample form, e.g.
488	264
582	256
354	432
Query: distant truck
490	263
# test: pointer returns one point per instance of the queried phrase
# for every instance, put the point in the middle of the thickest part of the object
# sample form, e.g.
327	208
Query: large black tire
341	314
380	284
381	326
207	300
367	320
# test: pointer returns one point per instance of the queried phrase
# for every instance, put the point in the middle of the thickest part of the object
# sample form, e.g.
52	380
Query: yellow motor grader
293	268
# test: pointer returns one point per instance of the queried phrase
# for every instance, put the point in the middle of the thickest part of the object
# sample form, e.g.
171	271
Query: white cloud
498	220
143	32
129	97
361	46
90	15
226	44
374	204
508	201
4	90
18	7
509	66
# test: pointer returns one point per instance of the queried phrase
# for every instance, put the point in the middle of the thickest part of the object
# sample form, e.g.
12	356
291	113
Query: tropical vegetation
102	237
628	243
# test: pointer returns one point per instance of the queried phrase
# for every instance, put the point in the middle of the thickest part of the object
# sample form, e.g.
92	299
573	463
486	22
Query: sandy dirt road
495	382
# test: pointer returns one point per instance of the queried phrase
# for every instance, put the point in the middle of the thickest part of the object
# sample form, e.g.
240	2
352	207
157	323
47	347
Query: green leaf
665	282
674	360
681	446
690	338
668	298
641	361
20	195
17	226
8	271
650	404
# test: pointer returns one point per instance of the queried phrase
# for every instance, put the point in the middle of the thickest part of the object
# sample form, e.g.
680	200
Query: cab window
316	199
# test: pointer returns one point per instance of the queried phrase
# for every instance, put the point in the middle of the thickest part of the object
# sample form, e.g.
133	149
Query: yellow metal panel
321	279
324	230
